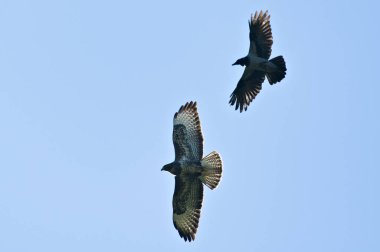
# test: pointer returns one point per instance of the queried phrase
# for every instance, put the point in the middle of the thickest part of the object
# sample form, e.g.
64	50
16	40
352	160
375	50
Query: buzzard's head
173	168
243	62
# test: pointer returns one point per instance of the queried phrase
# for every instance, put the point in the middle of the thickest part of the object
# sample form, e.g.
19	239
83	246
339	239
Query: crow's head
243	62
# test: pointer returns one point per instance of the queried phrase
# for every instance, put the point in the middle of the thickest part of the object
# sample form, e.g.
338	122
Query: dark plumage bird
191	170
257	63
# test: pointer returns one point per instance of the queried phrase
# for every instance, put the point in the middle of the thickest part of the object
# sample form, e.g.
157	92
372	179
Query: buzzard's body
257	63
191	170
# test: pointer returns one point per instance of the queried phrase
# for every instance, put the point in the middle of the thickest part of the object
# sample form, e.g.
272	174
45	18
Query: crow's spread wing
187	203
247	88
187	134
260	35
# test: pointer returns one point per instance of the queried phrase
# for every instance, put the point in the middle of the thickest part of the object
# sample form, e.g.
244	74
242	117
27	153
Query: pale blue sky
88	90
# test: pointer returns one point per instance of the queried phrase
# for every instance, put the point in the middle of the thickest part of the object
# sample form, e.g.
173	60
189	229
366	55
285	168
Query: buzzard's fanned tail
212	173
277	76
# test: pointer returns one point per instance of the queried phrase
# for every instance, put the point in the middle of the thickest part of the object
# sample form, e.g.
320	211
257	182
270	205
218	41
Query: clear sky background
88	90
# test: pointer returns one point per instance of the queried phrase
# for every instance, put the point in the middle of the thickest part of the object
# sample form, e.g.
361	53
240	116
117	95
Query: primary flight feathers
191	170
257	63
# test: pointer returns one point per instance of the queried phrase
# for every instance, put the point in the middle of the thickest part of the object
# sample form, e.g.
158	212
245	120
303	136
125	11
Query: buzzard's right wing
187	203
247	88
187	135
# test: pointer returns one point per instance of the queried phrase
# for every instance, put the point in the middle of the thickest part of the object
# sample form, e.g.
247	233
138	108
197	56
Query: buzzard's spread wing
187	135
260	35
247	88
187	203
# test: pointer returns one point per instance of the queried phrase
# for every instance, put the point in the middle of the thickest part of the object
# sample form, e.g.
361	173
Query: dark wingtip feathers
242	105
243	101
186	236
261	16
190	106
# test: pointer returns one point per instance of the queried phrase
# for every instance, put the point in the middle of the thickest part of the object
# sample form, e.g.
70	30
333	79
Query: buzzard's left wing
187	134
187	203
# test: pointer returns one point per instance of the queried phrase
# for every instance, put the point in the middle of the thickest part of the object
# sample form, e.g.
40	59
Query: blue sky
88	90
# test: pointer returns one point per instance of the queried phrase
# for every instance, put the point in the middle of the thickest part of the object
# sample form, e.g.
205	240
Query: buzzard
191	170
257	63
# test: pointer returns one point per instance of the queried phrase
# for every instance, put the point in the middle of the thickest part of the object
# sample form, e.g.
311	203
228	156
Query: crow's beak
235	64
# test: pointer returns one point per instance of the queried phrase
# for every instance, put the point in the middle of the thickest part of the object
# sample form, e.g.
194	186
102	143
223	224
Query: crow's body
257	63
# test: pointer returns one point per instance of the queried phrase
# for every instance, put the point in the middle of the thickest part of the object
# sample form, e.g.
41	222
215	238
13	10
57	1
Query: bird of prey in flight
191	170
257	63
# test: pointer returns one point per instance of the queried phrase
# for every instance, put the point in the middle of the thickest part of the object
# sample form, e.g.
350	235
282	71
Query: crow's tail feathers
212	173
278	75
